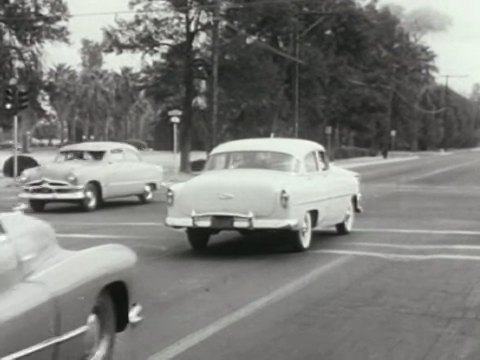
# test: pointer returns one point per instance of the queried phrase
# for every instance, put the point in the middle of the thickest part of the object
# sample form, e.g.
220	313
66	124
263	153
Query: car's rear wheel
37	205
198	238
346	226
302	237
147	195
91	197
101	328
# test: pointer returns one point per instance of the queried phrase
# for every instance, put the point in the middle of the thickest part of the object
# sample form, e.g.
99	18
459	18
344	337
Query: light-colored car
59	304
89	173
265	184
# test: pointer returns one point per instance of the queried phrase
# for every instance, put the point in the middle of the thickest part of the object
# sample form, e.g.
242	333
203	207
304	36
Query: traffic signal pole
15	147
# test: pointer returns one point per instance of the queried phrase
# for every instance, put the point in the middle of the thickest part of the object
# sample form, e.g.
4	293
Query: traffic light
10	98
23	99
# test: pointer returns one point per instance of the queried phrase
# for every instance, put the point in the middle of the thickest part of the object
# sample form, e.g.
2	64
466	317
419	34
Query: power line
252	4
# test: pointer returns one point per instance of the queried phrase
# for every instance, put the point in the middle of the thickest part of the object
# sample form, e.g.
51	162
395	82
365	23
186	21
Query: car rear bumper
240	222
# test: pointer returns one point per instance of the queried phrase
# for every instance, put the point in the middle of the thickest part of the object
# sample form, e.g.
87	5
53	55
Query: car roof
295	147
98	146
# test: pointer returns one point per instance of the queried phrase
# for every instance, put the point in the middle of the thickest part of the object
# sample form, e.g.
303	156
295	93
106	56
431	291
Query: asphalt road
404	285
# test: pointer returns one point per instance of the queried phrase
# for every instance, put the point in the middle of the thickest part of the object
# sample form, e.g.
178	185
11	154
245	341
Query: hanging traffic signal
23	99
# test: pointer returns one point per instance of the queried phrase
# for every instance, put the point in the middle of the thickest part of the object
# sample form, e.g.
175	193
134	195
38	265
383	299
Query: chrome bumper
240	222
74	195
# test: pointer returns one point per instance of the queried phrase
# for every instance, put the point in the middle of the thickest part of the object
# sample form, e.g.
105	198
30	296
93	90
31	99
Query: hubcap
305	232
91	199
349	218
148	192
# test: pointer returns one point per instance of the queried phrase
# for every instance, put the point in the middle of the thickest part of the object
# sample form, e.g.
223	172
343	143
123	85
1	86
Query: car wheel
37	205
302	237
198	238
90	202
346	226
147	195
101	328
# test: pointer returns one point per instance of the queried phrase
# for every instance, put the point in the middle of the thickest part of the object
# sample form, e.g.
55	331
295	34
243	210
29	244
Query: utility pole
445	95
296	102
215	56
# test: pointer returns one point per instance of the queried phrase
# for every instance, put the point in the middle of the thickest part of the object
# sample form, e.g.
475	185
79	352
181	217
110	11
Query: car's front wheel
346	226
198	238
101	328
37	205
91	197
302	237
147	195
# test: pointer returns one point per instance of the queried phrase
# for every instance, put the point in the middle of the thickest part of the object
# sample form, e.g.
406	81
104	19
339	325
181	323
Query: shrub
346	152
24	162
139	144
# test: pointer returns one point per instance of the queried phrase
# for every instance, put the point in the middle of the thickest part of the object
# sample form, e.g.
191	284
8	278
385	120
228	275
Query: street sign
175	120
328	130
393	133
175	112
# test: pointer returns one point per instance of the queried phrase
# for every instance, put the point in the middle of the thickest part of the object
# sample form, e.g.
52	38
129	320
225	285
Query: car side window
311	164
117	155
131	156
323	160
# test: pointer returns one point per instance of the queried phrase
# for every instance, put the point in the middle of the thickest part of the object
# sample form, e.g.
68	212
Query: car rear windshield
269	160
79	155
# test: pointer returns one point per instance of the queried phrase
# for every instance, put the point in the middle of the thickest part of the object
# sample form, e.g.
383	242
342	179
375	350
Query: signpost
175	119
393	134
328	132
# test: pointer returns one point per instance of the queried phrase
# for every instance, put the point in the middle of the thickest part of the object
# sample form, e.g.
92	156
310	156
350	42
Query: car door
27	314
336	190
140	172
119	174
315	187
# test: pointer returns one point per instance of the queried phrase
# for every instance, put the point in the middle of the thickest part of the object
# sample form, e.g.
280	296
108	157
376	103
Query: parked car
89	173
59	304
269	184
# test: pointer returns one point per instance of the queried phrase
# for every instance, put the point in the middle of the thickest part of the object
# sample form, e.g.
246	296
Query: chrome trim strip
45	344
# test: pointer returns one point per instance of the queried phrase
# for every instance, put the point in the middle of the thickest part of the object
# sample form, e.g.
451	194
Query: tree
156	29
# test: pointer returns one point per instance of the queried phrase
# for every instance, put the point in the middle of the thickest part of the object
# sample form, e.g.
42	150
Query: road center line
413	246
399	257
104	236
420	231
197	337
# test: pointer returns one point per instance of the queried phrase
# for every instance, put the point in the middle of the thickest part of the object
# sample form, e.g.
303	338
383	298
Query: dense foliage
363	71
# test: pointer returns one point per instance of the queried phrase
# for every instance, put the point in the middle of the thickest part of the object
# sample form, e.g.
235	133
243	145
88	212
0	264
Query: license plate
222	222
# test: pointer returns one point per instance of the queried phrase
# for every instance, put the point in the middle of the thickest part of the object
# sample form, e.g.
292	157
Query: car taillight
170	197
284	198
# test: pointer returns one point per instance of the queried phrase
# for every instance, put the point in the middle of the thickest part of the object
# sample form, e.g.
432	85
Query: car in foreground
59	304
89	173
265	184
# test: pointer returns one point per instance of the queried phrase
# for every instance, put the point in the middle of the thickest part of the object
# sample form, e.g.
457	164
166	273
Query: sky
457	49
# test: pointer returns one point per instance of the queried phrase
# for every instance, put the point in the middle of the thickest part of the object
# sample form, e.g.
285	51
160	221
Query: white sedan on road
265	184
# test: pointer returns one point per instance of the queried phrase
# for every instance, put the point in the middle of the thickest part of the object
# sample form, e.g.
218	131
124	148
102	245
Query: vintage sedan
89	173
265	184
61	304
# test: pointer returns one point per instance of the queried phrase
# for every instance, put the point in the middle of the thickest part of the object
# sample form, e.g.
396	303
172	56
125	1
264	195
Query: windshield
79	155
268	160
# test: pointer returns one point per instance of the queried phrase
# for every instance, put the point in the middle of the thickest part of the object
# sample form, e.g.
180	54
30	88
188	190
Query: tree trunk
186	124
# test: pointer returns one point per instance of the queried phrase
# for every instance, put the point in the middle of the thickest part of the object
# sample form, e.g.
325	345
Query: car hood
239	191
58	171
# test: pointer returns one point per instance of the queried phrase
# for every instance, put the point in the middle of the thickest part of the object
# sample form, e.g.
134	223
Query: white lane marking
153	224
376	162
105	236
398	257
441	171
197	337
413	246
421	231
